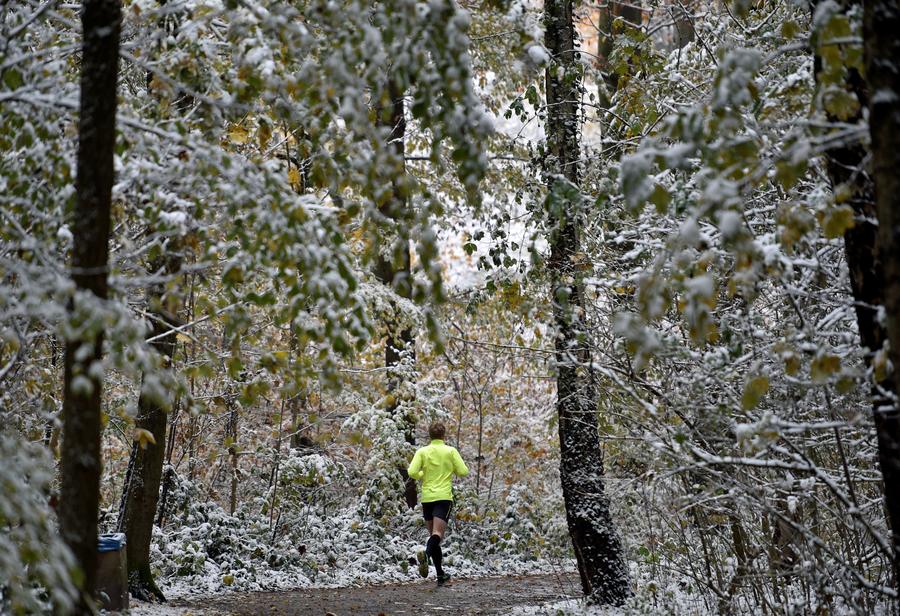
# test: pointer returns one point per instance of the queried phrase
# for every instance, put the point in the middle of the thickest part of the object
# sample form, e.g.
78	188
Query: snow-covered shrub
36	567
389	455
222	549
511	526
301	473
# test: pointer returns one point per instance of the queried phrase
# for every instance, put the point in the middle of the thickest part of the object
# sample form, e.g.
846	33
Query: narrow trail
465	597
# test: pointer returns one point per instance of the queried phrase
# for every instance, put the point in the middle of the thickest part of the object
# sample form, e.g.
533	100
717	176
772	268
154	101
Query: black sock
434	551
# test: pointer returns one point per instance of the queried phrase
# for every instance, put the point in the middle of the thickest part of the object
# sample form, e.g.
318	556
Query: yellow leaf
158	85
843	193
143	437
845	384
791	364
880	365
824	366
754	390
183	337
238	134
835	221
712	333
789	29
264	134
294	177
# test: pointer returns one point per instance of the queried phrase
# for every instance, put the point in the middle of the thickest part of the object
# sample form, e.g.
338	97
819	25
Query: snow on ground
638	606
139	608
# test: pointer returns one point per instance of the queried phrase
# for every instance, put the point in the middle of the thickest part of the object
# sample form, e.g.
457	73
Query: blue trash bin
112	572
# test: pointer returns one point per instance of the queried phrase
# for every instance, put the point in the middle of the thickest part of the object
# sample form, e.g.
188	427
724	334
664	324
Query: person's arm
459	467
415	468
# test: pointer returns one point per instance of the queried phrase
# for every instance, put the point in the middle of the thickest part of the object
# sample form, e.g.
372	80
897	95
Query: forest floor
469	596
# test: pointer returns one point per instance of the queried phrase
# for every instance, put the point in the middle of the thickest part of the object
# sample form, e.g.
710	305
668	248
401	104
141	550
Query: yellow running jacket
435	465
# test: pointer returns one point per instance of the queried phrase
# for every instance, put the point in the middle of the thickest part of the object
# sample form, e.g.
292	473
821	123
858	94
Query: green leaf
12	79
233	275
788	173
660	197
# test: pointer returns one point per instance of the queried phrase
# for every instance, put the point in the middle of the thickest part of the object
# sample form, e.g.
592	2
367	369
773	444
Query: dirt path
464	597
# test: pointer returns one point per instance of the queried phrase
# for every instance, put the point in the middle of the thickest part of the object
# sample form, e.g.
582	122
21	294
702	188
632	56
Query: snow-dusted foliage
735	395
36	567
259	182
215	551
735	343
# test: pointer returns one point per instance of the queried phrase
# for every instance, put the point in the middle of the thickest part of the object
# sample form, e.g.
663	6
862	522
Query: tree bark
881	23
598	549
397	275
631	13
864	250
81	457
142	482
140	496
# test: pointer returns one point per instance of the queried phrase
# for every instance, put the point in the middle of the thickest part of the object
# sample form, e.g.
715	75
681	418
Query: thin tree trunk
142	486
231	432
192	419
168	470
299	406
300	401
398	276
274	478
81	457
881	23
597	546
479	458
145	466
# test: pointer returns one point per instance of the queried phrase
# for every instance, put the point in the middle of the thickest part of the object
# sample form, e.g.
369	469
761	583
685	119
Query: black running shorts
437	509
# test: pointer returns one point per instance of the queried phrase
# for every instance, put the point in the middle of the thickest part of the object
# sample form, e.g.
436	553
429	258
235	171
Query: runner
435	465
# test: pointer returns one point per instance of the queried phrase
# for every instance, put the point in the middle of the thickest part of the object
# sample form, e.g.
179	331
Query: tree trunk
865	257
81	457
297	403
631	13
145	465
597	546
882	57
398	276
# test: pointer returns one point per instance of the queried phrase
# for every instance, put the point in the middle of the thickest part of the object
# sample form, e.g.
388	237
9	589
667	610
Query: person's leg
422	555
437	526
441	513
435	554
